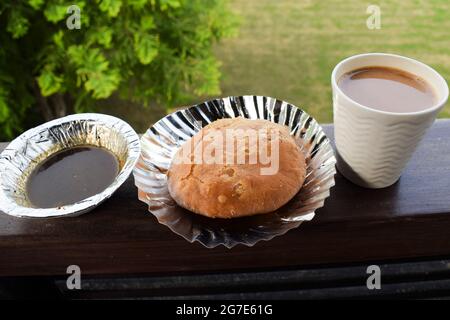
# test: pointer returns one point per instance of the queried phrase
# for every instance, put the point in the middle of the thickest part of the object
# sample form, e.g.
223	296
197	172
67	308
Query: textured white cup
374	146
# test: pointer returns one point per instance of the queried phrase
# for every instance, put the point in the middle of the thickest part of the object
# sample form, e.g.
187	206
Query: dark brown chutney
71	175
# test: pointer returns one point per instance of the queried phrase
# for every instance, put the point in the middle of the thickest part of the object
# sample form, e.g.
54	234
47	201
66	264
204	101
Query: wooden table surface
410	219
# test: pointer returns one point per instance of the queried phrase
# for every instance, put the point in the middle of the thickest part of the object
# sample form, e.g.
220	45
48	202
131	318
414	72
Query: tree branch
59	105
43	103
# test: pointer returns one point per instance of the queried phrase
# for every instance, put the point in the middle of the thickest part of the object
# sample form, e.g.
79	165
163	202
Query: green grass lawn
288	48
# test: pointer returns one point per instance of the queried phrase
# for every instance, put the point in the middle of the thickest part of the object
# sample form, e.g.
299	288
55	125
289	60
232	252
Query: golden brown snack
262	168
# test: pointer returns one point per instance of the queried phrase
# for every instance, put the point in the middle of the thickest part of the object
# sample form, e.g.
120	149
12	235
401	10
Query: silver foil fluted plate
160	143
24	153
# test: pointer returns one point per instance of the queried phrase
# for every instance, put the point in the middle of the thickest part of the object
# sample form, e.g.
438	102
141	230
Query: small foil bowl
161	141
27	151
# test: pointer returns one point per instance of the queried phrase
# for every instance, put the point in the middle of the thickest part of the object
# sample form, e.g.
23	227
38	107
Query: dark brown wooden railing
120	239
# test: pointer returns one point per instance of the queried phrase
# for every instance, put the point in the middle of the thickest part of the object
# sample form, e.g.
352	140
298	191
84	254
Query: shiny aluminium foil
26	152
160	143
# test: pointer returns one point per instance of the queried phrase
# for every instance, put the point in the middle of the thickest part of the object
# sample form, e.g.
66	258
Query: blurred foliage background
138	59
143	52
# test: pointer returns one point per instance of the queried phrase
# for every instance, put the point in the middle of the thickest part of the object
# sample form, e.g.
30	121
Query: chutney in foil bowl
67	166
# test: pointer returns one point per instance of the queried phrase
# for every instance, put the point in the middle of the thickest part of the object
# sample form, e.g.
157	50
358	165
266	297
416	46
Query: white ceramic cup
374	146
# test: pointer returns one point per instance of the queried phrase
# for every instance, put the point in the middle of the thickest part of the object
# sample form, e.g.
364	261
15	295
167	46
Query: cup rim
439	104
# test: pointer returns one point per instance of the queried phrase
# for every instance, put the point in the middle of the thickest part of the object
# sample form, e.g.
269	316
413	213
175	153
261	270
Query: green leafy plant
142	50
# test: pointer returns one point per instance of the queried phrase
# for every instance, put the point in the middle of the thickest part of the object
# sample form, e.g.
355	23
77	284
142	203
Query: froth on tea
388	89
